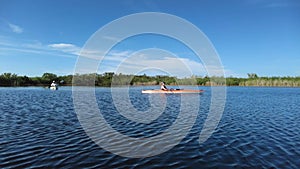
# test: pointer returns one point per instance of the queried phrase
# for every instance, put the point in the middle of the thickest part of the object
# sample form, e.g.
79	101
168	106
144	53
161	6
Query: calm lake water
260	128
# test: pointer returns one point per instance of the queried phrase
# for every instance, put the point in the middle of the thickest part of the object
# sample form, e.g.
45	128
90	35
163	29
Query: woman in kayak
163	86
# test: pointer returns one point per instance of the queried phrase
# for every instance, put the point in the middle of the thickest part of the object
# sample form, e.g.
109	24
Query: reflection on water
259	128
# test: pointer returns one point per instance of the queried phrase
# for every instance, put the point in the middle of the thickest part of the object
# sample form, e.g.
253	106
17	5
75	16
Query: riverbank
110	79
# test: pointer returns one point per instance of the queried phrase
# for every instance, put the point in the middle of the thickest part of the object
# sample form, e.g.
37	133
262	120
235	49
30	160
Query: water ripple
259	129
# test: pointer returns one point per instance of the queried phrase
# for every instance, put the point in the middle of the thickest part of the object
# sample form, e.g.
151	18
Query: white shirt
53	84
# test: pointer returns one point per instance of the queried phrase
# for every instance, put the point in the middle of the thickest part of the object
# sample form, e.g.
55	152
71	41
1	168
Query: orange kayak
173	91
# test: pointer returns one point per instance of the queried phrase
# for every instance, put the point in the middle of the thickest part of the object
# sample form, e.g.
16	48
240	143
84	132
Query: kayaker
163	86
53	84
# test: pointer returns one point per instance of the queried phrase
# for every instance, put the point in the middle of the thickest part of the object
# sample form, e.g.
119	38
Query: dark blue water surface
260	128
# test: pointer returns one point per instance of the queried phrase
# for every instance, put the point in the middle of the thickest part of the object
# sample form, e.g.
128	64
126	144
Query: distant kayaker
53	84
163	86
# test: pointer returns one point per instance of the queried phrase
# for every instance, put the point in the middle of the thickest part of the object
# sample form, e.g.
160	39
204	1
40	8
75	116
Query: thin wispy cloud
277	5
180	67
273	3
15	28
34	45
127	62
65	48
113	55
4	42
111	38
72	49
8	44
132	62
62	45
118	61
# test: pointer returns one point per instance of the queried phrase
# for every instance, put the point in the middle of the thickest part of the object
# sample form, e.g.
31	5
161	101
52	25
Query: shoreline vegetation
111	79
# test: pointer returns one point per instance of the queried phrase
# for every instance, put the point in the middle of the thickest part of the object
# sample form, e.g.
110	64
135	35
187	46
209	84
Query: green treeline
111	79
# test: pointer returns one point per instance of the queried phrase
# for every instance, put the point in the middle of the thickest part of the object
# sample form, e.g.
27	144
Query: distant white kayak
53	88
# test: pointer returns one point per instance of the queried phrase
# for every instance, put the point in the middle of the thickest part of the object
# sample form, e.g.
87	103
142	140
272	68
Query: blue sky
250	36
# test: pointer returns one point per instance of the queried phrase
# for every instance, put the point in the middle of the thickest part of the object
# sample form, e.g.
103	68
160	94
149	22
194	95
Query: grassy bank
111	79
